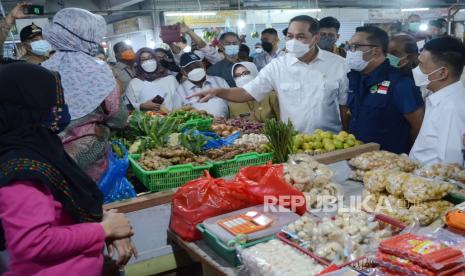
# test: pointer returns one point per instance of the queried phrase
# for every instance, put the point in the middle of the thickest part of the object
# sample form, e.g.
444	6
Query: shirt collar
191	86
378	75
437	97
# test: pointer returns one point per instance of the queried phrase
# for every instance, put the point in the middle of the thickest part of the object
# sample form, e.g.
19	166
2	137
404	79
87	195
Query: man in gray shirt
229	44
123	69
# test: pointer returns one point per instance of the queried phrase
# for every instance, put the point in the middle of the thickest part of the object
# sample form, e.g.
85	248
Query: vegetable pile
256	140
224	130
229	152
158	159
246	126
323	141
280	136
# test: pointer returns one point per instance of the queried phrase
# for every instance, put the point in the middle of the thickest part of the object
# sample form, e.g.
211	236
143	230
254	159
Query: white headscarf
249	65
75	34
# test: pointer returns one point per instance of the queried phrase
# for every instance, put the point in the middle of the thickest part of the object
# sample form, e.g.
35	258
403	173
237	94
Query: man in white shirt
311	83
270	46
197	80
441	135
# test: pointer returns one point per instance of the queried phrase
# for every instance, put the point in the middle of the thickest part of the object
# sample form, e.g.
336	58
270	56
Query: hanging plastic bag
114	184
204	198
266	183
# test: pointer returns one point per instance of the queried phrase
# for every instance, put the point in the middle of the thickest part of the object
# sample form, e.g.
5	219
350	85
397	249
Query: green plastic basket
455	198
232	167
199	124
229	254
169	178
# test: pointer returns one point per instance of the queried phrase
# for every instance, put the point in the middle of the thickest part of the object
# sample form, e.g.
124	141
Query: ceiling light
241	24
423	27
414	9
189	13
302	10
128	42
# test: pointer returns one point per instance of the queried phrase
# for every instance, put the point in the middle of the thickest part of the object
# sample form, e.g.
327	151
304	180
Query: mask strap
76	35
435	72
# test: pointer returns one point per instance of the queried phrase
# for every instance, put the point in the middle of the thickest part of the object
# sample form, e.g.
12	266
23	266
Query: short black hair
285	31
183	39
314	25
270	31
448	50
376	36
118	47
410	43
224	35
244	49
330	22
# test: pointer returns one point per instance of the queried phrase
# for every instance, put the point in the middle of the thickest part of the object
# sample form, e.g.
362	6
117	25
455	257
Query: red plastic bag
204	198
267	185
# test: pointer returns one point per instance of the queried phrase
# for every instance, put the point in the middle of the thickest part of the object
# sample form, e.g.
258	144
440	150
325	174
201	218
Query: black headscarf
160	72
31	113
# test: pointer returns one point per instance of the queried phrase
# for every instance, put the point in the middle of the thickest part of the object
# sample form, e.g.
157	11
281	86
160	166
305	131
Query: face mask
393	60
297	48
327	43
243	80
355	60
149	66
267	46
231	50
41	47
128	55
422	79
414	27
258	50
196	75
170	65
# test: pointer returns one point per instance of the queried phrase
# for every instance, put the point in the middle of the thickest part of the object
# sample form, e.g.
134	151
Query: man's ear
338	36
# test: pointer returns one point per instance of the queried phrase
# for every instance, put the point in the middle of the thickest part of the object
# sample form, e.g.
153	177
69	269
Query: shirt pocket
377	101
292	91
331	90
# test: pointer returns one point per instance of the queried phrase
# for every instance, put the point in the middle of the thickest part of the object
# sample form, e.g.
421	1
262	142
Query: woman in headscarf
50	210
243	73
152	80
91	92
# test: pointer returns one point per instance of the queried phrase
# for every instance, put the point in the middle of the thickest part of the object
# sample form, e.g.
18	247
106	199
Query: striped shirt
216	106
261	60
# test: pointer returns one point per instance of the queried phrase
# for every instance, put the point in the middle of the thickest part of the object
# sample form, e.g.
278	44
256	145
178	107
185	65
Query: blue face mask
393	60
40	47
414	27
231	50
59	118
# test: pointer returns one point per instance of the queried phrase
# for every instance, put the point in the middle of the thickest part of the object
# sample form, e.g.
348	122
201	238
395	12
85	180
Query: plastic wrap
442	171
275	258
395	183
455	218
420	189
375	180
305	173
383	159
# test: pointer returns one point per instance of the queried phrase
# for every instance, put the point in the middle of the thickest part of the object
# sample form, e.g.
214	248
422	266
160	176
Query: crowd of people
61	99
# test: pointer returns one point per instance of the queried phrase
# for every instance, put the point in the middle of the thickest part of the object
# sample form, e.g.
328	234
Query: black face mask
267	46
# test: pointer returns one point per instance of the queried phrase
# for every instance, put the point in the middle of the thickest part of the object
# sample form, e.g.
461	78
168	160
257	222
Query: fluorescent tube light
414	9
189	13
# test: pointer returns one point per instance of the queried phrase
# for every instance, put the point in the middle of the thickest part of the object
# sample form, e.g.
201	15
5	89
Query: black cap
189	58
29	32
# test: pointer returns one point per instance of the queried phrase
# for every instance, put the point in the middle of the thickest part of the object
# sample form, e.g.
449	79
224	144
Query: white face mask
258	50
243	80
355	60
41	47
421	79
197	74
297	48
149	66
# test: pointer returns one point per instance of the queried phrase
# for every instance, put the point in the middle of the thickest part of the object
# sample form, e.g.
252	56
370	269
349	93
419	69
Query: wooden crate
345	154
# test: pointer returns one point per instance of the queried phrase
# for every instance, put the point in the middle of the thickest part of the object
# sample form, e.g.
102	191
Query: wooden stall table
198	251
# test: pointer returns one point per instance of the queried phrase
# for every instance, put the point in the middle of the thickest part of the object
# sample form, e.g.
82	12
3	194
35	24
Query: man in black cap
7	22
197	80
36	47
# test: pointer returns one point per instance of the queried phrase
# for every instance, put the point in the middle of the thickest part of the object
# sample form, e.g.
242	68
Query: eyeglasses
355	47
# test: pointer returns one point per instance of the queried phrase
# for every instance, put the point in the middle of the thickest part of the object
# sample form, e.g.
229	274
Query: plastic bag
218	141
456	218
266	184
204	198
114	184
277	258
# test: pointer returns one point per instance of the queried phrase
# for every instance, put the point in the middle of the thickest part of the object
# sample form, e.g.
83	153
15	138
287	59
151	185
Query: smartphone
34	9
170	34
158	99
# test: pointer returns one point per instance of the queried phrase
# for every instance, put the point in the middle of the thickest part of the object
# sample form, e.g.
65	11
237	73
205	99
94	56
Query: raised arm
236	95
9	20
195	38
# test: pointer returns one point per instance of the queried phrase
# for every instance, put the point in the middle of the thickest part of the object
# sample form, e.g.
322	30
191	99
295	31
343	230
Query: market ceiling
123	8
